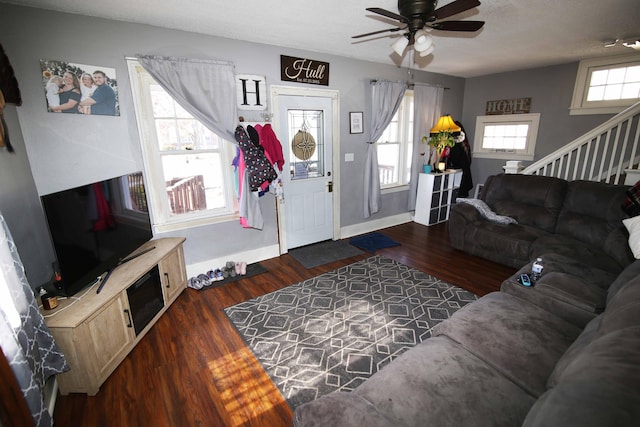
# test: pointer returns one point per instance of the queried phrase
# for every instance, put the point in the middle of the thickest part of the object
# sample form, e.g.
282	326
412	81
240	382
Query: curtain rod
373	81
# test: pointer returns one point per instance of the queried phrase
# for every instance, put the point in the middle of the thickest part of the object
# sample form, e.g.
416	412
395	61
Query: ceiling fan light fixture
422	41
400	45
428	51
421	37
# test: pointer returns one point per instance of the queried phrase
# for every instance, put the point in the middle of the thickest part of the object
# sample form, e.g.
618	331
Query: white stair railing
607	153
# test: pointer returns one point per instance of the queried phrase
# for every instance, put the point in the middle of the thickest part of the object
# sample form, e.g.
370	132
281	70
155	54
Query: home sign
508	106
303	70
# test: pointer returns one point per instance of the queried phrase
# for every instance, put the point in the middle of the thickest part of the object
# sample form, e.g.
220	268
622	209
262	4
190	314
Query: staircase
608	153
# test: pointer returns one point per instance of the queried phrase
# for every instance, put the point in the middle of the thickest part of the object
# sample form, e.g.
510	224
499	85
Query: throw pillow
633	226
486	211
631	204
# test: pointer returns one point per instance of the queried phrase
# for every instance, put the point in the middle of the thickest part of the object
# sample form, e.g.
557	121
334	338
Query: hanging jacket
271	144
258	167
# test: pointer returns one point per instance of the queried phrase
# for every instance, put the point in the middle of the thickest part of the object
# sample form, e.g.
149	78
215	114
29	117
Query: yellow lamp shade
445	124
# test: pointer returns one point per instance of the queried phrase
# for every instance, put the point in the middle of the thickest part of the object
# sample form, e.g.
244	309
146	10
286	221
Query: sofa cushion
562	294
591	212
585	271
509	244
340	409
519	339
576	249
532	200
572	290
623	310
438	383
632	271
587	336
599	387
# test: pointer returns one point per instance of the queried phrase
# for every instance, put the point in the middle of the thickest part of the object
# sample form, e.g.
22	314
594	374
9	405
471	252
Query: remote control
524	280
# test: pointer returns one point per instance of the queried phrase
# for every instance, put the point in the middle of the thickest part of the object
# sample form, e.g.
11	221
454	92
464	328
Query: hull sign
304	70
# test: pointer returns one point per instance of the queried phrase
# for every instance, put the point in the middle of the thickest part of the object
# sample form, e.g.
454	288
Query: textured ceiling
518	34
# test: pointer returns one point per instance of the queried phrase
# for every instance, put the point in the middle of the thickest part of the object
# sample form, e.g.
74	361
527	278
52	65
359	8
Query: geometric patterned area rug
334	331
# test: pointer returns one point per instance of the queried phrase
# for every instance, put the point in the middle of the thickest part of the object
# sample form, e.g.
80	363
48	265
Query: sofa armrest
460	216
467	212
617	247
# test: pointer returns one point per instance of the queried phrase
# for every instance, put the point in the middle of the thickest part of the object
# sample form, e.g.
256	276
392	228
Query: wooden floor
193	369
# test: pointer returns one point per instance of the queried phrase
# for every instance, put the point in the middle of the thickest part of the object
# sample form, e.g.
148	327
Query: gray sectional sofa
582	219
565	352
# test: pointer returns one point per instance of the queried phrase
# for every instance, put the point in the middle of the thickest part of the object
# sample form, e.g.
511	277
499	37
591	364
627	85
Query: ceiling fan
420	17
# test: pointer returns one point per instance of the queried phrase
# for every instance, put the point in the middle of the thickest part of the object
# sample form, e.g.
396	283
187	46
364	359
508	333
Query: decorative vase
426	168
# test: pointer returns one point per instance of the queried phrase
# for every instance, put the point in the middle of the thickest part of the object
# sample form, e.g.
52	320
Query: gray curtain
24	337
386	97
427	107
205	88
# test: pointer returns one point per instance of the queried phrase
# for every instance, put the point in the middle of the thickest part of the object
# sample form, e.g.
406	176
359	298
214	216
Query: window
395	146
188	167
129	198
606	85
511	137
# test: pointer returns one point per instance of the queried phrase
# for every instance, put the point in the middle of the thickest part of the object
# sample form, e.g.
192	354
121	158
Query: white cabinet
97	331
436	193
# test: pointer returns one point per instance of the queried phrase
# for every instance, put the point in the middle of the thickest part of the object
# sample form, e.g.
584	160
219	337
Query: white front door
305	126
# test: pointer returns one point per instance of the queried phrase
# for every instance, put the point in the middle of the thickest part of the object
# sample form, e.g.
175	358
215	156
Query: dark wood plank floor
193	369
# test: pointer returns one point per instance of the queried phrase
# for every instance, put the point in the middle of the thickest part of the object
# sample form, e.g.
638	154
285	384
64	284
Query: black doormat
323	253
332	332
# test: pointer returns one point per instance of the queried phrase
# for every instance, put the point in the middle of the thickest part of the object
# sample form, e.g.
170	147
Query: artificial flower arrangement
440	138
440	141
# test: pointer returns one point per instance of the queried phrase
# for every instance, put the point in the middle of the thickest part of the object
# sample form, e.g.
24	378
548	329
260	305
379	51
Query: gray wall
20	205
67	151
550	90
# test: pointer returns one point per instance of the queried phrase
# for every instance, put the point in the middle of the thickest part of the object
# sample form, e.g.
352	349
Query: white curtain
427	107
205	88
386	97
24	337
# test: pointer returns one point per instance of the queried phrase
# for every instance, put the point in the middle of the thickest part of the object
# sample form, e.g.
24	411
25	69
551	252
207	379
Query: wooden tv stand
96	331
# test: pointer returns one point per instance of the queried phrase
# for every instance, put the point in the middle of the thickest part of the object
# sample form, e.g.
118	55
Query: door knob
330	186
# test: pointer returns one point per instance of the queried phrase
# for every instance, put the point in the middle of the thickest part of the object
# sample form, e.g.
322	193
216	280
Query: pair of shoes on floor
229	269
241	267
215	275
199	282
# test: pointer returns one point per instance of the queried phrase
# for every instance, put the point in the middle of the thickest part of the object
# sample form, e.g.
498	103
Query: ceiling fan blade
391	30
454	8
457	25
388	14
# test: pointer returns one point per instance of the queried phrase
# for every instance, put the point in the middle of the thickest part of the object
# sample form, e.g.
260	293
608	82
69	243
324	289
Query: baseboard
375	225
251	256
273	251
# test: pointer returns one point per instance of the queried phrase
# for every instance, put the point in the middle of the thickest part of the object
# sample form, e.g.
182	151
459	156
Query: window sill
503	156
194	222
396	189
581	111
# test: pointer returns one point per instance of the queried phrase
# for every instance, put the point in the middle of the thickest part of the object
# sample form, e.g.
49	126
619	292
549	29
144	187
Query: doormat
373	241
332	332
323	253
202	281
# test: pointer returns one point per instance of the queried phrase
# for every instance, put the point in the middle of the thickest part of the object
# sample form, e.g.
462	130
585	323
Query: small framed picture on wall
356	122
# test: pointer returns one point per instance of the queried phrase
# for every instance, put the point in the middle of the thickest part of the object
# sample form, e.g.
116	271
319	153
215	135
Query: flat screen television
95	225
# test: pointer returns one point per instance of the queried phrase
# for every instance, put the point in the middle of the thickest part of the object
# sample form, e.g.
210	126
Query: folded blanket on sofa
486	211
